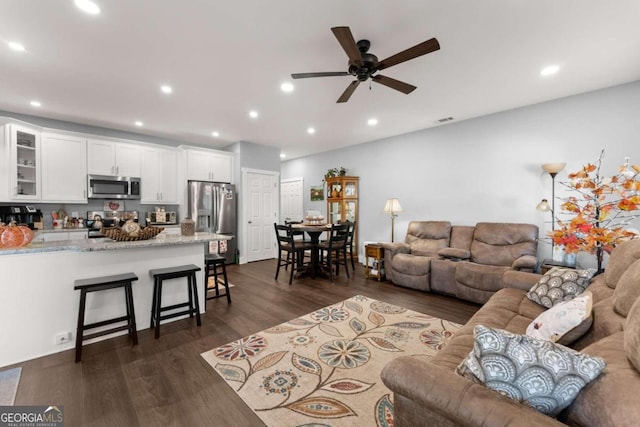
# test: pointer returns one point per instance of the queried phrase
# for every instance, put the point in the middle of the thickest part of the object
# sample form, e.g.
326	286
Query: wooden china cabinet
342	203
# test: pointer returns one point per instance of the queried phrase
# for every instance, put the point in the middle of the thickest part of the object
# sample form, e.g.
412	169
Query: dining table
314	231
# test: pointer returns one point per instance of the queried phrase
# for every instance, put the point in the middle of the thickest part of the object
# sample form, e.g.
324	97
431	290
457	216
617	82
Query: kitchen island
38	303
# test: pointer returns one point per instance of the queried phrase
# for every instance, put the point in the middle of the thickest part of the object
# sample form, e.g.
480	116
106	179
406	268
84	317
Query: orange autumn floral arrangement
602	210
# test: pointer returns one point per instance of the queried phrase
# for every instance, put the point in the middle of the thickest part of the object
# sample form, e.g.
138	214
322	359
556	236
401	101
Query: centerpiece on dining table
314	218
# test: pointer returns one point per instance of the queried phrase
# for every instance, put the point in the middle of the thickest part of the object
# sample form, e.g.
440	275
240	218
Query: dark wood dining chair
290	251
334	250
352	232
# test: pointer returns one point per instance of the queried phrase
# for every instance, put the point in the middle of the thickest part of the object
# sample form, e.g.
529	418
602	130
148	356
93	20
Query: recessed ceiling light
311	131
166	89
253	114
372	122
139	123
282	155
35	104
549	70
18	47
215	134
286	87
87	6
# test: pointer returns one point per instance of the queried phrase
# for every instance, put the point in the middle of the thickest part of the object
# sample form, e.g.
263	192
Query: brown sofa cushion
620	260
427	237
632	335
507	309
412	265
454	253
612	399
502	243
628	289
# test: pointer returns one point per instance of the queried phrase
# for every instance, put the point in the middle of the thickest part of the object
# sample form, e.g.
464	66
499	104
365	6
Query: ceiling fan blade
348	43
349	91
413	52
403	87
325	74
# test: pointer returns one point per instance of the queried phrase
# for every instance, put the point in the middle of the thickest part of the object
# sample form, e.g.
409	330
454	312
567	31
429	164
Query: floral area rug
323	369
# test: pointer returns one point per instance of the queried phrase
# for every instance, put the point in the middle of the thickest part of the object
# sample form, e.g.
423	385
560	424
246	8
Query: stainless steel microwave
113	187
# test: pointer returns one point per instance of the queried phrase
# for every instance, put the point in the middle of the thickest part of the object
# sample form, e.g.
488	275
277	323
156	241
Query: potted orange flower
603	210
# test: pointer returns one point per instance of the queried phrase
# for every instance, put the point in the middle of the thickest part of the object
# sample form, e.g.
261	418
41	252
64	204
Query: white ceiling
224	58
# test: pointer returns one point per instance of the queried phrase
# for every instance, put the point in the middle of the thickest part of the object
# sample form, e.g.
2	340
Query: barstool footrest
105	322
105	332
180	313
173	307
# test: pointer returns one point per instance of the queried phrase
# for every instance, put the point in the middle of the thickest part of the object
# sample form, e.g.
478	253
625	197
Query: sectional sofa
433	394
468	262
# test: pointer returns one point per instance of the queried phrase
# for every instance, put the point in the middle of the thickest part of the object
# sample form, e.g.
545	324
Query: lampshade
553	168
544	206
392	206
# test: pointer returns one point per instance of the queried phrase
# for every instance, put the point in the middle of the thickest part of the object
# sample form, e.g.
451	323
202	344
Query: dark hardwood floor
165	382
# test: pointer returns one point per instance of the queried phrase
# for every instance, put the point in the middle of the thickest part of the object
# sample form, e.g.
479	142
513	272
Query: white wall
483	169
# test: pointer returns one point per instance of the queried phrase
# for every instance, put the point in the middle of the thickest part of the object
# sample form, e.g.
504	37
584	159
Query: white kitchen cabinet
113	158
159	182
205	165
23	162
64	168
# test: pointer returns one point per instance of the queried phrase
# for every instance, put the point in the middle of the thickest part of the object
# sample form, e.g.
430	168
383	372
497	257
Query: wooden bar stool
214	263
101	284
160	274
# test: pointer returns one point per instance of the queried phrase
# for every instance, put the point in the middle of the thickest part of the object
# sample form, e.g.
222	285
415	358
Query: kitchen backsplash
93	205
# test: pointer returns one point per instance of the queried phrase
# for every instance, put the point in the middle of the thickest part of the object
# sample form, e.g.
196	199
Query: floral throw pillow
565	322
538	373
559	284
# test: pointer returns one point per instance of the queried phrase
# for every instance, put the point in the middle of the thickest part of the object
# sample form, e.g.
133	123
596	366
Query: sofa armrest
519	279
454	254
396	248
454	398
526	263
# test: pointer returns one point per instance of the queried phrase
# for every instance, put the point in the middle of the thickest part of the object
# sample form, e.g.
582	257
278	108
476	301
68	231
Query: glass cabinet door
335	212
350	211
24	163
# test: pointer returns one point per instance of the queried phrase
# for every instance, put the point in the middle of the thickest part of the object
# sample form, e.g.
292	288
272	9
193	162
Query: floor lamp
392	207
552	169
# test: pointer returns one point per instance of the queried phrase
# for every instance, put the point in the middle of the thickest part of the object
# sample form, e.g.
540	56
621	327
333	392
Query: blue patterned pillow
539	373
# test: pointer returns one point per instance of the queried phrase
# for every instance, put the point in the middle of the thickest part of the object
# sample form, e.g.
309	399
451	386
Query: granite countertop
106	244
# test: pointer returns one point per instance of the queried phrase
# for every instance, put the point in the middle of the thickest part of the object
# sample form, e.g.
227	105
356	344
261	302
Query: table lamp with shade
392	207
552	169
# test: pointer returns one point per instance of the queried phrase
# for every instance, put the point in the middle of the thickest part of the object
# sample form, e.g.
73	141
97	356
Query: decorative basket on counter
117	233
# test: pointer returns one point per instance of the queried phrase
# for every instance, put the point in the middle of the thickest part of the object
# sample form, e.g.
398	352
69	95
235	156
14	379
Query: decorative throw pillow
559	284
538	373
562	319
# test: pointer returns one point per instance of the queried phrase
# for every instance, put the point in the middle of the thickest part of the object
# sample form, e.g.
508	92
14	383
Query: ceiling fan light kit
364	65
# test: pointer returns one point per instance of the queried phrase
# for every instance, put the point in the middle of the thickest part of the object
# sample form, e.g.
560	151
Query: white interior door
291	201
261	208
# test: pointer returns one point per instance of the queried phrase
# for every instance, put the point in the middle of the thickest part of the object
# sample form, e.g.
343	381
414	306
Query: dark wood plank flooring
165	382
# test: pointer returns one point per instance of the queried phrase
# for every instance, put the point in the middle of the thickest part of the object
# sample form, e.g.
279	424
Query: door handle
250	222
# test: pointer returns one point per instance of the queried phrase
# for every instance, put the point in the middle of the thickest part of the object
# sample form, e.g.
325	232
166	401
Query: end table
548	264
375	251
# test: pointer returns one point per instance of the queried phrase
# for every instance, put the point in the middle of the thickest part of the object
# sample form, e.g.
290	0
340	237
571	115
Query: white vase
558	253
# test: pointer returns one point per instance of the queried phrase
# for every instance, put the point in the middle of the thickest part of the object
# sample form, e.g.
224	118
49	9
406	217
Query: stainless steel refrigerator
213	207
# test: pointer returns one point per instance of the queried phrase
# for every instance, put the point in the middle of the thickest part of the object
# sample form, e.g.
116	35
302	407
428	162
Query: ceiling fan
363	65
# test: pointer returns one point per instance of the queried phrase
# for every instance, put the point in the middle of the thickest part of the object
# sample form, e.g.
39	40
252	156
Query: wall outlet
63	338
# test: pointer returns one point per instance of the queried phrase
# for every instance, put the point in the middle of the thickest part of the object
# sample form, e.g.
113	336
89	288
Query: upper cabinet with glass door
24	162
